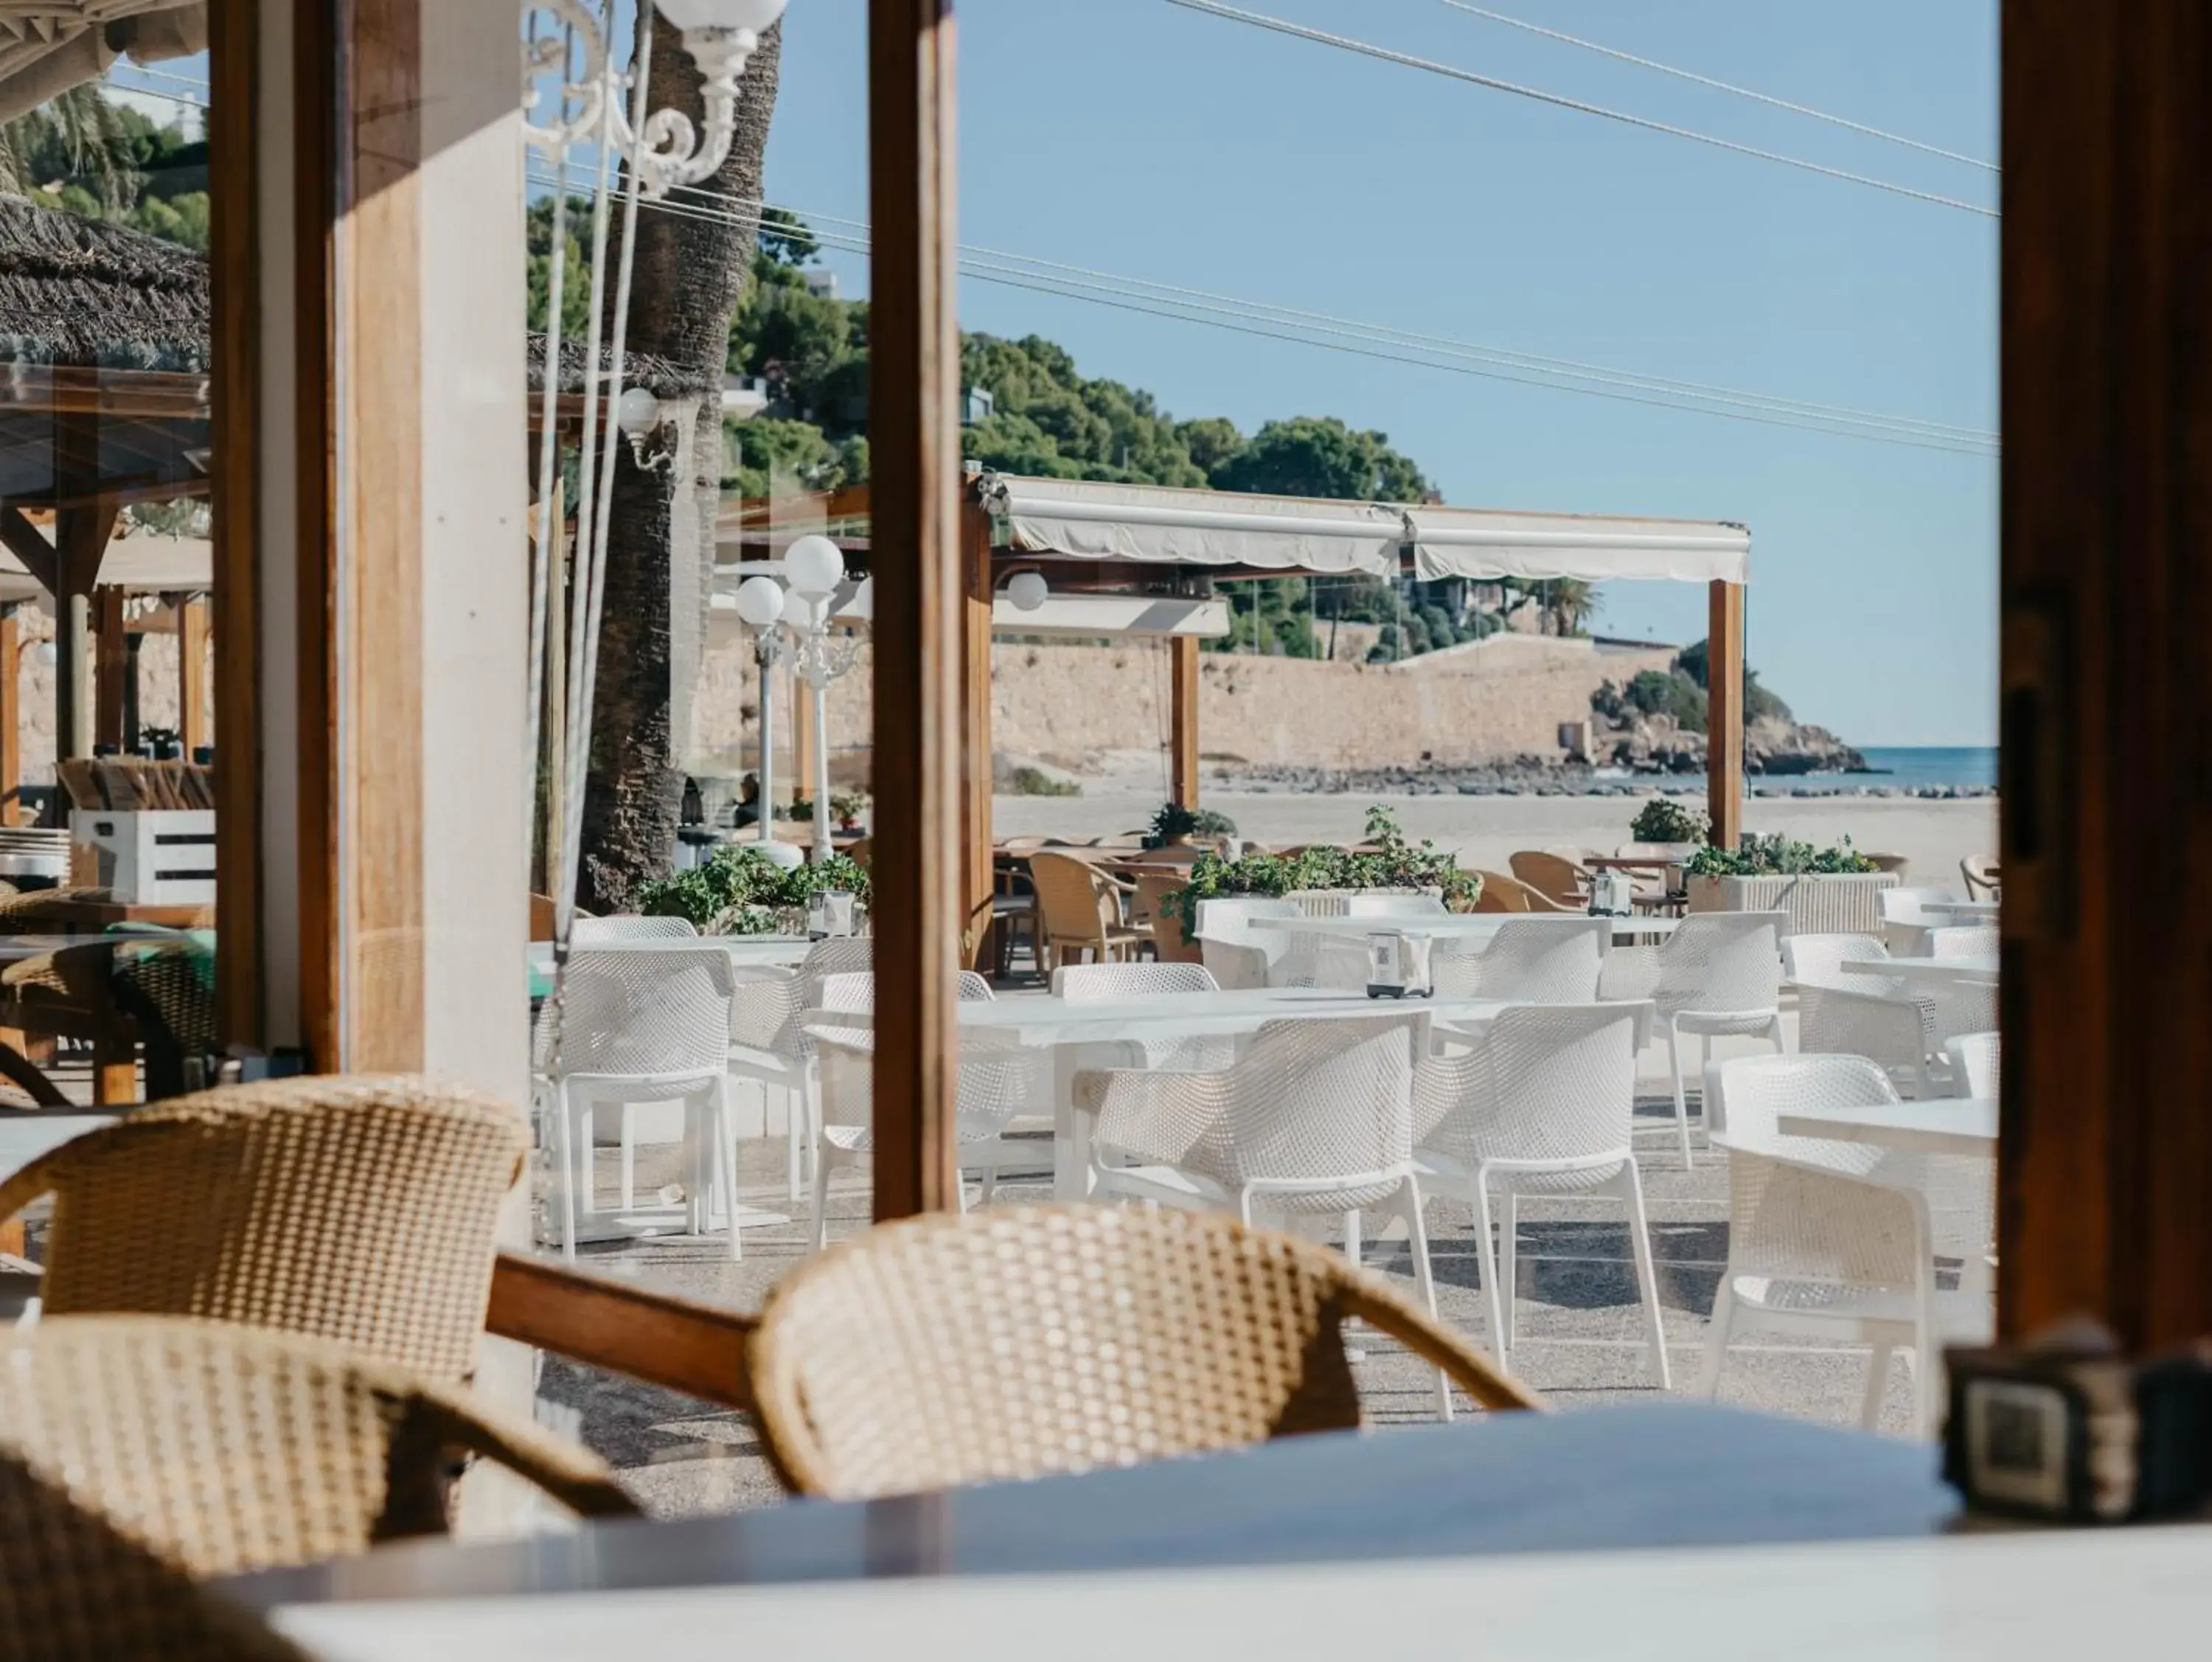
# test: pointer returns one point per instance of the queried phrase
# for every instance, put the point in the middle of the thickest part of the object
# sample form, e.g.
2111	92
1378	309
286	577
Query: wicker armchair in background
358	1208
74	1585
1558	880
1079	909
1014	1344
225	1450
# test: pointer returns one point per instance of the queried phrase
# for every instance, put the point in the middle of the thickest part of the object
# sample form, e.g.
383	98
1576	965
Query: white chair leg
1877	1388
630	1157
1640	1240
1352	1236
795	1139
1774	1035
1489	1252
725	1163
567	1135
1508	1271
1424	1281
1716	1341
822	1163
1681	1104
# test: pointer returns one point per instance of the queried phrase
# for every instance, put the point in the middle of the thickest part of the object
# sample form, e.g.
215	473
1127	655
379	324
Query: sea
1905	770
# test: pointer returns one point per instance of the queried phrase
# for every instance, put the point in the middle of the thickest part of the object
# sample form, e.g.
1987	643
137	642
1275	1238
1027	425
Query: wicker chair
73	1585
1501	893
225	1450
357	1209
1558	881
1019	1343
1080	910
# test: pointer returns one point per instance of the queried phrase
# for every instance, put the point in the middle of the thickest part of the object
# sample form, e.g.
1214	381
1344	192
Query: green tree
1320	456
785	239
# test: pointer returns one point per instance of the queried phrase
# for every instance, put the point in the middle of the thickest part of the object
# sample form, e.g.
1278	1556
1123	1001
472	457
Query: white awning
1481	543
1094	617
144	562
1082	519
1086	520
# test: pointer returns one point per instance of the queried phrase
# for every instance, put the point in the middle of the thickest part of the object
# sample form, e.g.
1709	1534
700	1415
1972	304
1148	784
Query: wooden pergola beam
913	437
37	555
110	668
194	729
1724	714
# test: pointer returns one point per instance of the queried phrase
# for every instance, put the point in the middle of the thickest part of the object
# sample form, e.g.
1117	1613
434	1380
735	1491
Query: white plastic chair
1235	954
1543	1104
626	929
768	1043
1106	984
1906	921
1316	1116
999	1079
1839	1240
1719	973
1964	940
1840	1012
1529	961
640	1025
1974	1065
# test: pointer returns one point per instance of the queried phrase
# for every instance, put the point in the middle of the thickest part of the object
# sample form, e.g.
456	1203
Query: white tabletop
1043	1019
741	949
1980	970
1450	926
2031	1596
1962	908
1945	1125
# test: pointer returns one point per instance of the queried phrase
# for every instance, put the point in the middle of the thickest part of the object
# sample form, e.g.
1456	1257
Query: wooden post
803	741
81	537
193	727
915	454
11	714
1183	718
2105	510
111	666
978	879
1724	714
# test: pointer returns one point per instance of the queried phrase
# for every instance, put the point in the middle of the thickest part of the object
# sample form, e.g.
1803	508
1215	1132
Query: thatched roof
81	293
75	291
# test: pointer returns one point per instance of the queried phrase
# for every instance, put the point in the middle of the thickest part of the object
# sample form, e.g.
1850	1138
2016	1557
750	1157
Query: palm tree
89	135
690	268
1569	604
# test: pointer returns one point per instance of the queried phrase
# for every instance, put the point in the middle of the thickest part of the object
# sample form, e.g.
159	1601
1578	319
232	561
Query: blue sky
1139	138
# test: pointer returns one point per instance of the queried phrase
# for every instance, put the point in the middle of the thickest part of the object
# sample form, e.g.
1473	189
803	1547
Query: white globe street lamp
815	566
760	606
1027	590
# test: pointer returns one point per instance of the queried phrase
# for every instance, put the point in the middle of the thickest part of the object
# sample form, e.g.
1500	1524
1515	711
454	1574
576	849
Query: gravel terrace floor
1578	1327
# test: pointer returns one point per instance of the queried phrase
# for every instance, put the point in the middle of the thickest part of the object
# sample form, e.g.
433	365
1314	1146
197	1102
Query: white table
1064	1026
1980	971
1971	911
1474	926
1943	1125
743	950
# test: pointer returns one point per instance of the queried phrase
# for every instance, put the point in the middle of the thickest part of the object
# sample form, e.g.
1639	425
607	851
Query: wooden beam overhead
914	439
37	555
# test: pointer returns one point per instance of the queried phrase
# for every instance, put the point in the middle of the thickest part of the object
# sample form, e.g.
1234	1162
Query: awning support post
1724	715
978	944
1183	718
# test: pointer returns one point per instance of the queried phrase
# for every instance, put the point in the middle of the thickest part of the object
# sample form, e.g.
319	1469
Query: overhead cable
1388	55
1720	86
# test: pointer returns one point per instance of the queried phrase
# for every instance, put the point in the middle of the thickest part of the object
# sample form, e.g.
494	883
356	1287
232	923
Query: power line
1345	43
1396	347
1720	86
155	91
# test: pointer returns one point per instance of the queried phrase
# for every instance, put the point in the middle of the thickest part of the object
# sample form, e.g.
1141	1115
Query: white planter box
1831	903
150	857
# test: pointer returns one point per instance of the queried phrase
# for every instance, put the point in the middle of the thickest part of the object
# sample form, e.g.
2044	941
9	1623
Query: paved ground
1579	1329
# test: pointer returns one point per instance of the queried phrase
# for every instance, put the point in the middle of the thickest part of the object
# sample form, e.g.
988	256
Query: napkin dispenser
1398	964
1612	894
829	915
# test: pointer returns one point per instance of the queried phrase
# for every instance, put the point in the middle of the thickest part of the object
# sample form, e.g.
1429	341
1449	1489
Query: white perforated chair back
1528	960
1911	906
1234	952
610	931
1974	1059
1313	1100
1554	1083
1964	940
1721	962
1098	983
1817	960
999	1077
635	1011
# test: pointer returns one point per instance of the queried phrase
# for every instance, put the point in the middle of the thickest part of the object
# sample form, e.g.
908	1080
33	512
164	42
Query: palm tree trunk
689	272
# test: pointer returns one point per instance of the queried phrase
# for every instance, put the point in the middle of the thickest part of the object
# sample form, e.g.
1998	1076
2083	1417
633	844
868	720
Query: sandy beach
1932	835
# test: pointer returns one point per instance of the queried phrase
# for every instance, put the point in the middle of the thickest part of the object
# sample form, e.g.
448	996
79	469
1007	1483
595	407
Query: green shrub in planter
1662	819
741	891
1394	864
1777	856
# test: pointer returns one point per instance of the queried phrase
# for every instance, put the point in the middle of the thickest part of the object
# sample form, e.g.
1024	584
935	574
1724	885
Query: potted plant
847	806
1835	890
741	891
1174	825
1666	824
1392	862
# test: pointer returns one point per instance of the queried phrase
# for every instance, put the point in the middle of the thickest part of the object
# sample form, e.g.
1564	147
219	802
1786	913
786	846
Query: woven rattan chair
225	1449
358	1208
1560	880
73	1585
1079	911
1040	1339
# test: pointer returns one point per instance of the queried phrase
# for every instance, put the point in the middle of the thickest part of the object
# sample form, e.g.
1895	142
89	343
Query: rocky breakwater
1772	745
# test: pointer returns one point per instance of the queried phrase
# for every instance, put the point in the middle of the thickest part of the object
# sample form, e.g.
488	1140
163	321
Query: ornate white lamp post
760	604
815	566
